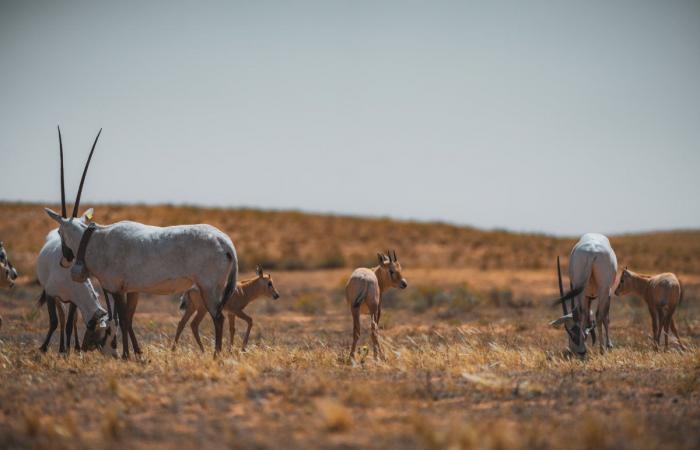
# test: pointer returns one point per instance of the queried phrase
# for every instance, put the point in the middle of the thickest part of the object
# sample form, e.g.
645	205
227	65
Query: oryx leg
675	333
191	309
69	325
231	327
53	323
75	331
120	306
132	300
194	325
248	320
62	327
657	328
218	333
211	297
355	330
374	333
666	323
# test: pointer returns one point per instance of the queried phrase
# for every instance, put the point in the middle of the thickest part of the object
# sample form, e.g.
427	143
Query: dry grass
489	377
471	363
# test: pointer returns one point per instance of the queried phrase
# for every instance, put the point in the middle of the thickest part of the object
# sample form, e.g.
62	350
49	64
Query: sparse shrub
332	259
310	304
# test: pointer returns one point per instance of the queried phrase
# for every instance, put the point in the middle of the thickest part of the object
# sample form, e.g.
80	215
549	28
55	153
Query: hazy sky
554	116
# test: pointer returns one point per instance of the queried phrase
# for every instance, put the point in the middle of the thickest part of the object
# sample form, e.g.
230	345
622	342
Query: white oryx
131	258
59	287
8	273
592	272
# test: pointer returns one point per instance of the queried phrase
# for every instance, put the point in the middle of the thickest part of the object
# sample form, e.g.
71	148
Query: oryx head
101	333
392	267
71	228
572	317
265	281
8	273
624	286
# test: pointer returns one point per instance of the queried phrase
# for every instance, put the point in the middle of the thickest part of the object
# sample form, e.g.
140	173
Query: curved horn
63	185
82	180
561	288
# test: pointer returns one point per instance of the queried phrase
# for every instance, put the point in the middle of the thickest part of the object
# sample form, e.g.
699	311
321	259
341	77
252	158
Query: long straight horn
561	287
394	255
63	185
388	255
82	180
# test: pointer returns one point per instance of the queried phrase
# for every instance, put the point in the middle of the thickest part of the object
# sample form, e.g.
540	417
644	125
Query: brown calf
662	293
363	293
246	291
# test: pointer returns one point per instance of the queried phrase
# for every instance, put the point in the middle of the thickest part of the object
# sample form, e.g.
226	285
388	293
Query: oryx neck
639	282
250	289
382	278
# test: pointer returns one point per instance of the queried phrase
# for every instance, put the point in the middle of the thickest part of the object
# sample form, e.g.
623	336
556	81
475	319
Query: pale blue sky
553	116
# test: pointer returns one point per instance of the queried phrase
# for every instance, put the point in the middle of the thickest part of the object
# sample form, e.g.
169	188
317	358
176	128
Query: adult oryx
8	273
59	287
592	272
129	258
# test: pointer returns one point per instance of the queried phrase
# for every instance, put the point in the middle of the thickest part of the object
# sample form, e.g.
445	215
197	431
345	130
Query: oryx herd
200	263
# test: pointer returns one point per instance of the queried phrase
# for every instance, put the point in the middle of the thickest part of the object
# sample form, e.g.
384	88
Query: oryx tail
361	296
230	285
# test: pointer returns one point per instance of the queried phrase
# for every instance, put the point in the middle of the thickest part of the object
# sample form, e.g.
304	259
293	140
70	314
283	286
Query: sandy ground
465	368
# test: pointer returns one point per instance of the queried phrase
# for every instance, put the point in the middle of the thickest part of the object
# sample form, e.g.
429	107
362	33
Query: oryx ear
55	216
258	271
561	320
381	259
87	215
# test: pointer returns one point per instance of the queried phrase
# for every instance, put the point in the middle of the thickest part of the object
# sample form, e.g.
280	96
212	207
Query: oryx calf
662	292
592	272
129	258
363	293
59	287
8	273
246	292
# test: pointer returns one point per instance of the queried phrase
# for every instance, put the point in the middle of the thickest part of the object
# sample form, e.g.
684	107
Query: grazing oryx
8	273
131	258
592	272
363	293
662	292
58	287
246	292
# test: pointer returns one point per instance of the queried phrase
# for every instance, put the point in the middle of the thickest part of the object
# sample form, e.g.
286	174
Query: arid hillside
287	240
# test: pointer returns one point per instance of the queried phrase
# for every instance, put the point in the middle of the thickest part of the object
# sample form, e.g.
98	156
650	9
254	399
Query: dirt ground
466	368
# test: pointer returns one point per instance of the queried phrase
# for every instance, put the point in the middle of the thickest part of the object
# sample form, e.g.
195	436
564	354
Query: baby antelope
246	291
363	293
662	293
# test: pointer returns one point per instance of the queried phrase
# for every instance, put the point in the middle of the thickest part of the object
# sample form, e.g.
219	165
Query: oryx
131	258
8	273
363	294
592	272
662	293
246	292
59	287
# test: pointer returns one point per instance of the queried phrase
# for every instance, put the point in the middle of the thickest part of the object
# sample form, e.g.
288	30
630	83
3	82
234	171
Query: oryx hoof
43	349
